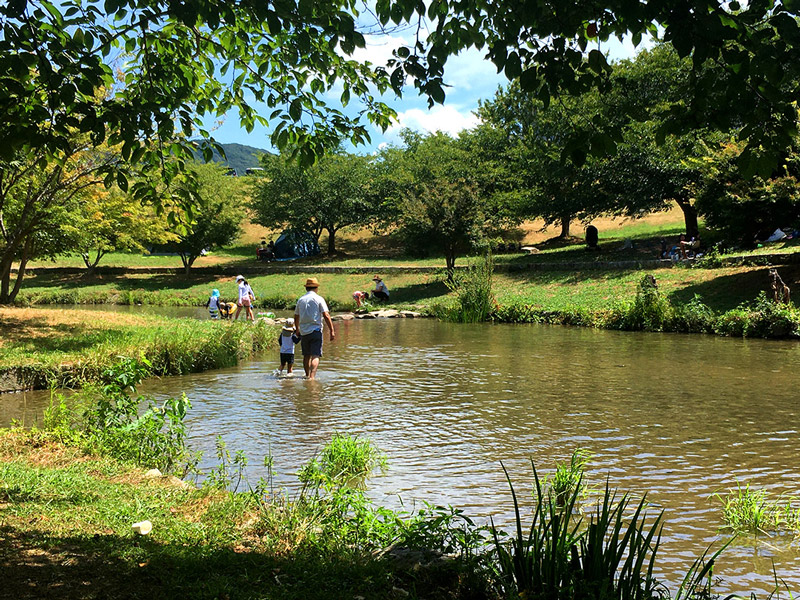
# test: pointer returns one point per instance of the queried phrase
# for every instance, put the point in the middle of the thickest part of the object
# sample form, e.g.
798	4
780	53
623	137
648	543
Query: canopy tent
293	244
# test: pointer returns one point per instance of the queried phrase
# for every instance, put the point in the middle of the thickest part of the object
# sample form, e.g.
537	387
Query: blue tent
294	244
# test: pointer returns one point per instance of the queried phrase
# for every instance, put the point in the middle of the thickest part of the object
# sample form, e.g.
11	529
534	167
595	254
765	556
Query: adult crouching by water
309	315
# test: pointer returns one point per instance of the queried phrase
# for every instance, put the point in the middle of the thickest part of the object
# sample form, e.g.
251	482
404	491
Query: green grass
66	531
273	291
73	353
747	510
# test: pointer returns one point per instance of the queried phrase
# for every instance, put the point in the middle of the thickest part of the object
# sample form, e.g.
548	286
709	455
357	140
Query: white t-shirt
381	287
309	311
244	291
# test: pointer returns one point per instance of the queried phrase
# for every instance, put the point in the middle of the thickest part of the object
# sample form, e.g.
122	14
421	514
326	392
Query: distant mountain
240	157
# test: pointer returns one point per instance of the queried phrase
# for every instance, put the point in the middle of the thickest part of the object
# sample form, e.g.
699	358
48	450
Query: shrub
473	289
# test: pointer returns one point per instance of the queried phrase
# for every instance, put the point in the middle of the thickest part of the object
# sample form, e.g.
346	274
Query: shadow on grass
154	283
567	277
419	291
729	291
39	565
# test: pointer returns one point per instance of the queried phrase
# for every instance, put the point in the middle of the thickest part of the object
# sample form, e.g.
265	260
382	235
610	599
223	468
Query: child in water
287	339
213	304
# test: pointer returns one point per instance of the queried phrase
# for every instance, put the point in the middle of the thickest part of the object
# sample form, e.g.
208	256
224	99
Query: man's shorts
311	343
287	358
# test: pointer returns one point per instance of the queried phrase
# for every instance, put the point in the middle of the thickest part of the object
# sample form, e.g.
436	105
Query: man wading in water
311	310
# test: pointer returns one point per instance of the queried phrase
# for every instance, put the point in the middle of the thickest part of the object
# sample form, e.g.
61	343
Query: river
680	417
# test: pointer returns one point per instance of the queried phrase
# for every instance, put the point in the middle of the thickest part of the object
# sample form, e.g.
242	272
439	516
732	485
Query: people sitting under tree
688	247
381	292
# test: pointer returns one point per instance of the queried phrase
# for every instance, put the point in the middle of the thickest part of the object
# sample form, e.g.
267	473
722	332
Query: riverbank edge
266	269
171	347
66	531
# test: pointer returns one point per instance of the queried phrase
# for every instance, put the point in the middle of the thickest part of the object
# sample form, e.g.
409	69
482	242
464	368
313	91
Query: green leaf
296	109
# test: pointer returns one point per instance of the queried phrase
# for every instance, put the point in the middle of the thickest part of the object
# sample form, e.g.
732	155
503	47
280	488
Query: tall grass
170	347
747	510
561	556
472	287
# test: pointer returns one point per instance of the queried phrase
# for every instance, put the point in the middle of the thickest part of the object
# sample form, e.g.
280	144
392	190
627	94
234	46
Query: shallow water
680	417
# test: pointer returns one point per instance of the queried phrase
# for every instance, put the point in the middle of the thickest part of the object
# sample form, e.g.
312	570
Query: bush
473	289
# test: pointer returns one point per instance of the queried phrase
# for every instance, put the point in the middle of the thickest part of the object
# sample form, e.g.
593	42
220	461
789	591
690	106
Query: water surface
680	417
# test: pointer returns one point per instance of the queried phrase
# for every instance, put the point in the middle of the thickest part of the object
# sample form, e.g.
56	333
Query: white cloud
447	119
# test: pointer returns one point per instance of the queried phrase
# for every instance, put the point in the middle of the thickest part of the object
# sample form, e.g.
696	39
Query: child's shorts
287	358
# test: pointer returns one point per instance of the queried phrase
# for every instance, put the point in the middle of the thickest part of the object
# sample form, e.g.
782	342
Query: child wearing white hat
287	340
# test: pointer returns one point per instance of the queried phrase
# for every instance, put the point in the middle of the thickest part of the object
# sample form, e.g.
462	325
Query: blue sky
470	78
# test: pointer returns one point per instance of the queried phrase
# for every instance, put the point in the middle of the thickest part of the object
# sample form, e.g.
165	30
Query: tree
438	193
110	220
327	196
215	217
742	208
745	58
537	144
37	197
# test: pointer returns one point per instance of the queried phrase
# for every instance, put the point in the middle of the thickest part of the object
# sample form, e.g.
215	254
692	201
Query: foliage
746	510
327	196
109	220
229	472
740	208
344	462
438	192
55	57
650	310
739	55
37	197
611	558
473	289
214	220
567	480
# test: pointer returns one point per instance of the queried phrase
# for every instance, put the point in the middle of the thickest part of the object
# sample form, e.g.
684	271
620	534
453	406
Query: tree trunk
7	297
450	264
689	218
565	221
5	277
331	242
187	261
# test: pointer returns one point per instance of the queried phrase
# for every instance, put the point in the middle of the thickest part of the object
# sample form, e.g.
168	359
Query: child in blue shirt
213	304
287	339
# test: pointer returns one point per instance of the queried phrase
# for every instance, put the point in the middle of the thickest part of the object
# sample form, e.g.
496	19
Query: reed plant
472	287
747	510
568	479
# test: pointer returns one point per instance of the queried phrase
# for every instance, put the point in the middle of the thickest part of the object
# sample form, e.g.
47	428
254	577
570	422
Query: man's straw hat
312	282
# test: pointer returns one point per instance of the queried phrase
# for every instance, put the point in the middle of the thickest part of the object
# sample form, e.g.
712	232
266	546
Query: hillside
240	157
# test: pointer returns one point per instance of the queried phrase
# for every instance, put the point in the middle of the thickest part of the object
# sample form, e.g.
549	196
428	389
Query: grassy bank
722	298
39	347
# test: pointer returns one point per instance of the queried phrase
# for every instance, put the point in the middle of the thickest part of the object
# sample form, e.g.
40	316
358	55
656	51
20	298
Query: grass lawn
722	289
363	248
65	532
40	346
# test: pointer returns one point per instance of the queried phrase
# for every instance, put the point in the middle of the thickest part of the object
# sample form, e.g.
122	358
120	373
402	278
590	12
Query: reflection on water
678	417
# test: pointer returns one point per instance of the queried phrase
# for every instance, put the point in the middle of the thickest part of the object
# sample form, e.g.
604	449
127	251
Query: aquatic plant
473	289
747	510
568	479
112	423
345	461
612	557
